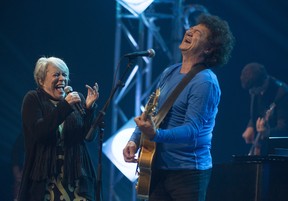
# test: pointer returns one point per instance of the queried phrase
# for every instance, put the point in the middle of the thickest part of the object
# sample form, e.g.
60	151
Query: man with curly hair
182	164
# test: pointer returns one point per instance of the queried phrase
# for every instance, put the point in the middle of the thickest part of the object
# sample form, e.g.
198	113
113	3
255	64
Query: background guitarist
182	165
264	90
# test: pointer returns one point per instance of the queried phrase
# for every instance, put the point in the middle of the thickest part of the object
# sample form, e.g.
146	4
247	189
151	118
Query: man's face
195	39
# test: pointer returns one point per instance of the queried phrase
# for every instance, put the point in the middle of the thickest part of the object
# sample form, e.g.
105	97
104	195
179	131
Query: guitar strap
174	94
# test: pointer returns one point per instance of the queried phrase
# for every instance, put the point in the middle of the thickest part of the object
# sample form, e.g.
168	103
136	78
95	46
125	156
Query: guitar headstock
151	105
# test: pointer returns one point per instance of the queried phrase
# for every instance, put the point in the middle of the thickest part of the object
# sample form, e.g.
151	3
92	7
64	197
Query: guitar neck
258	136
254	145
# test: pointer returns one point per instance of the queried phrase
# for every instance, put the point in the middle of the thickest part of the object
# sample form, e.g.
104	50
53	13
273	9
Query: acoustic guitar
147	152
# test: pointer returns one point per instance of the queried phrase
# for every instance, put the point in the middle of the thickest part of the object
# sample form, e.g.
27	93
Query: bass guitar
255	148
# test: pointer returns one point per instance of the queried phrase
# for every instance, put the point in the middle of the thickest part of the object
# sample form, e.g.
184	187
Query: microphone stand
99	123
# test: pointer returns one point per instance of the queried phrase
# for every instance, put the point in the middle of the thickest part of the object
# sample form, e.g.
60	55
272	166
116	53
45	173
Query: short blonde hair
41	68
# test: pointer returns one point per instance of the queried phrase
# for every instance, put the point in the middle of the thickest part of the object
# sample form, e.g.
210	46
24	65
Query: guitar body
147	152
145	162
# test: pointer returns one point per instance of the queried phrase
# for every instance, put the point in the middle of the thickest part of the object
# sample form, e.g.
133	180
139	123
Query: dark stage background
82	33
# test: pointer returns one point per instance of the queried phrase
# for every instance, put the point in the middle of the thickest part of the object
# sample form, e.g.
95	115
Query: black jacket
41	120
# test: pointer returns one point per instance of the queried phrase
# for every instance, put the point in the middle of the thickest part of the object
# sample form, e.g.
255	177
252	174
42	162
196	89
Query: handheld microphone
148	53
78	106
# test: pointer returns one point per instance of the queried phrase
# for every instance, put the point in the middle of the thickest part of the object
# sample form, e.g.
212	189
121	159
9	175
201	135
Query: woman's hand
73	98
92	95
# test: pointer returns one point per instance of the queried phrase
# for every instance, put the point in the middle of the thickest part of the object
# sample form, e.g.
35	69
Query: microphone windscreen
68	89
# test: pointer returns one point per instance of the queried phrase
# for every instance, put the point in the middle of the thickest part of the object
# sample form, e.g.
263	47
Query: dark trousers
179	185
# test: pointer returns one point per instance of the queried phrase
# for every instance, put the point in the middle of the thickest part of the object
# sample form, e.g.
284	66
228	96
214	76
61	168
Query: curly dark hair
221	40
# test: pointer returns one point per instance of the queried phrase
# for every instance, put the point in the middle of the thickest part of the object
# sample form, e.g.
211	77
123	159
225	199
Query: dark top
41	120
277	92
17	158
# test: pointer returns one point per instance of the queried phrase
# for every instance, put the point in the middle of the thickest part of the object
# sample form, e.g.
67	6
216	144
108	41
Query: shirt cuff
157	134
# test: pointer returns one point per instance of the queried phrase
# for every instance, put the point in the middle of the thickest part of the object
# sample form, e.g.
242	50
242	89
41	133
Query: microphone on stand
78	106
148	53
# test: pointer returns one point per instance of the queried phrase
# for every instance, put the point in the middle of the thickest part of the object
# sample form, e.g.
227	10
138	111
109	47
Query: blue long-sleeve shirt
184	137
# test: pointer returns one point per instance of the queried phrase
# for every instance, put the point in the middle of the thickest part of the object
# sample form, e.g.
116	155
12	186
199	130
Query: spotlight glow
113	149
136	7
